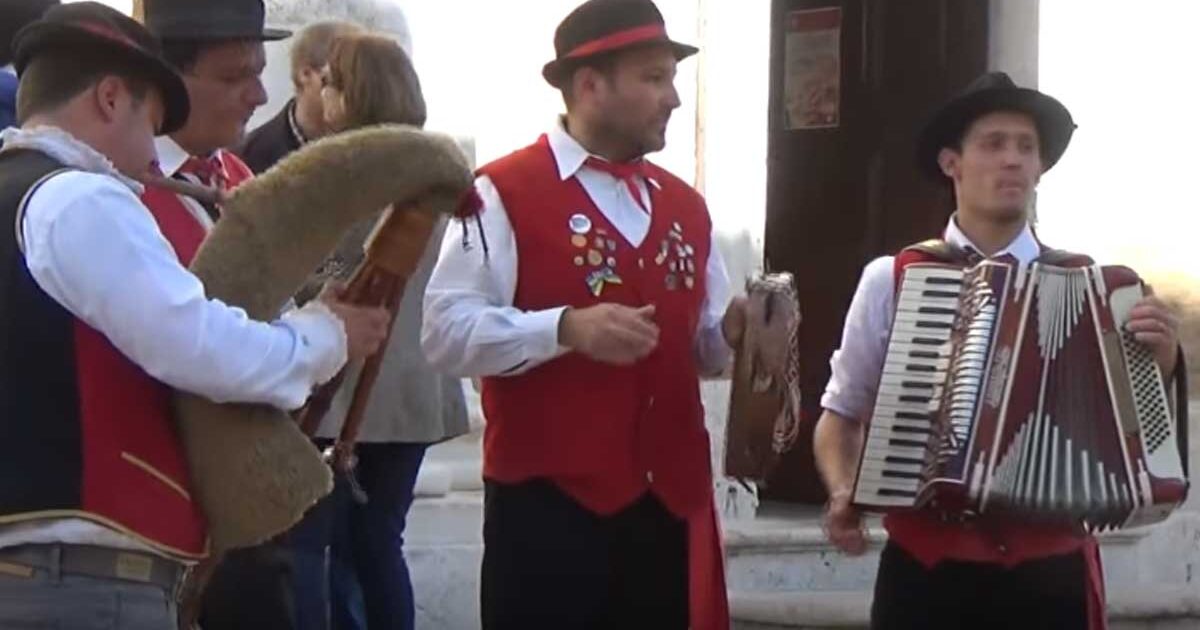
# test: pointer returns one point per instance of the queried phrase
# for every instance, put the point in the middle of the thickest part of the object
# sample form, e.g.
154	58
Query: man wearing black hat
991	144
14	15
100	321
595	303
217	46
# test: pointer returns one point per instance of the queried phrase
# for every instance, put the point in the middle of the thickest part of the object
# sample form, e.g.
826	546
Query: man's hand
1153	324
733	324
843	524
610	333
366	326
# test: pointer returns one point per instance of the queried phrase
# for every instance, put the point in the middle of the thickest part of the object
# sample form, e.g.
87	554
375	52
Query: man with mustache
992	144
217	46
590	301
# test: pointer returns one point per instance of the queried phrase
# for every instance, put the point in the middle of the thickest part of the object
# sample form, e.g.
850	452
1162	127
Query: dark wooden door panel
838	197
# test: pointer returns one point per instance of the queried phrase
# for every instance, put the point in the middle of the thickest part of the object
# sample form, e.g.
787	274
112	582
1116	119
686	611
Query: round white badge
580	224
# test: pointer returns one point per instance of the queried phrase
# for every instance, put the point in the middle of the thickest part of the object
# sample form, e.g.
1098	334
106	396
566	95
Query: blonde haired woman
370	80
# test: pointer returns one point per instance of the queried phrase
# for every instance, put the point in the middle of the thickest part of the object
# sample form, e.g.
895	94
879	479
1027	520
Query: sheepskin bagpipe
253	470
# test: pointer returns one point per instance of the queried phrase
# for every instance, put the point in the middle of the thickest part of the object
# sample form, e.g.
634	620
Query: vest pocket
157	474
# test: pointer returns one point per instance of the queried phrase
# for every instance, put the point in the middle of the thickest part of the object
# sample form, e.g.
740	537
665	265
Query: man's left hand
1153	324
733	324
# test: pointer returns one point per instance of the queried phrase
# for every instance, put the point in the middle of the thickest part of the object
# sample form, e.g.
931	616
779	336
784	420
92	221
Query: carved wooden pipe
393	251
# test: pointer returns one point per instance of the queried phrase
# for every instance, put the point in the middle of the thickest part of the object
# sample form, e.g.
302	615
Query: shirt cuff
321	336
542	334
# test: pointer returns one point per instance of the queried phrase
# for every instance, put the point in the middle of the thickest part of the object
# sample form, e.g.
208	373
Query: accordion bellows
254	472
1019	392
764	406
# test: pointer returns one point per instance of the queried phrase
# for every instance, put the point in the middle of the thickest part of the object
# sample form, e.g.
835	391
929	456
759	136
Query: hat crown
97	19
595	19
205	19
990	81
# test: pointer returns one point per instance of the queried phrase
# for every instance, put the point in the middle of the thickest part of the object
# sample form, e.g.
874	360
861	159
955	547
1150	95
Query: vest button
649	476
1003	549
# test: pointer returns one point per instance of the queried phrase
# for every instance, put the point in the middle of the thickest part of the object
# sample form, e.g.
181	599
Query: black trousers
550	563
251	590
1047	593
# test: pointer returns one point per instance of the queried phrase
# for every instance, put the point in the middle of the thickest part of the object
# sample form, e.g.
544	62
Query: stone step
789	552
1152	607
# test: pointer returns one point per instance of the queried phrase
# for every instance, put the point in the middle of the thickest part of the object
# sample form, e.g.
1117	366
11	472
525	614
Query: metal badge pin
672	282
641	263
612	262
580	224
579	261
599	243
689	282
579	240
678	228
691	266
658	260
594	258
672	266
691	251
612	245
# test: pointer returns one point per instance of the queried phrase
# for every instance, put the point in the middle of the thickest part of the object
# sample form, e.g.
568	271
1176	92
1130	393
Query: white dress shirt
471	327
92	246
857	364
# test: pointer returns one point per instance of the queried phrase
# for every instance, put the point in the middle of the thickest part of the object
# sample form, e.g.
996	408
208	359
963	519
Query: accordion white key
1020	392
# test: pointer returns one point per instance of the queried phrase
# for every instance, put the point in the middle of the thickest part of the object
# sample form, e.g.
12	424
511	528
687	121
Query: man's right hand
843	524
610	333
366	326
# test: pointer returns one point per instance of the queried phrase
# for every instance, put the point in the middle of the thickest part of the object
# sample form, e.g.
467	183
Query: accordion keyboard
915	369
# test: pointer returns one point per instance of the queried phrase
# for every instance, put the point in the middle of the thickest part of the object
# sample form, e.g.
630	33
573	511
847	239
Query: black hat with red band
85	26
602	27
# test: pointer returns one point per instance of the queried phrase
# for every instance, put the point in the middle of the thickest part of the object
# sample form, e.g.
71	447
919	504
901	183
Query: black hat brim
40	35
265	35
556	72
1054	124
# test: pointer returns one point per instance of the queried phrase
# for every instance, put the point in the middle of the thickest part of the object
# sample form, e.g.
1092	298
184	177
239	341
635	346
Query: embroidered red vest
604	434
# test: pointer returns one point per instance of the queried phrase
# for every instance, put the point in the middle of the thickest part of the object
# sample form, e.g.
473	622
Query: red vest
182	229
608	434
605	434
135	475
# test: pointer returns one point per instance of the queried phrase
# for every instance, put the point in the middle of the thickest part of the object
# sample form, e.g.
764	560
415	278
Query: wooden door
842	185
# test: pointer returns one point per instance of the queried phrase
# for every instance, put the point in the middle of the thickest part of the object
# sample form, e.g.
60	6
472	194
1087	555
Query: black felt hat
210	19
84	26
994	92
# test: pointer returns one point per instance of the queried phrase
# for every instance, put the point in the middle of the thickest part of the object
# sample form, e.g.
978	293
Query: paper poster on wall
813	68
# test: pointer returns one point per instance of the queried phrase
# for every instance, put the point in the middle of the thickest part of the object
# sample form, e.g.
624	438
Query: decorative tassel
471	205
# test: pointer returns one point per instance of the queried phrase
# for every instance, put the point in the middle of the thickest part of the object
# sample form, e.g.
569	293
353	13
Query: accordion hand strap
1181	410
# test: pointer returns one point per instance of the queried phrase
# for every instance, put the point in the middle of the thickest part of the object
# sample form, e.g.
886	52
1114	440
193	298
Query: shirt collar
171	156
569	155
294	125
66	148
1025	247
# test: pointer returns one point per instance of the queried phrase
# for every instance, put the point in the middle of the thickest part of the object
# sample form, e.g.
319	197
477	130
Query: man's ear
107	95
949	161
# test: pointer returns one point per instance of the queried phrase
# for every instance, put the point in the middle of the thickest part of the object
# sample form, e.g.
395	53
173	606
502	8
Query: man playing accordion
939	570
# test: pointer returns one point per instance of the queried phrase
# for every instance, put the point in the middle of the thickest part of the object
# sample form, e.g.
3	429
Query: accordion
1018	391
764	404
